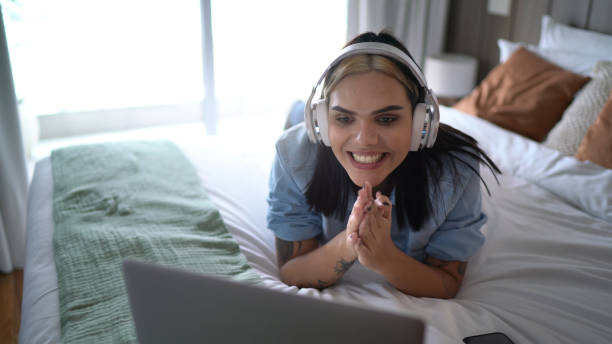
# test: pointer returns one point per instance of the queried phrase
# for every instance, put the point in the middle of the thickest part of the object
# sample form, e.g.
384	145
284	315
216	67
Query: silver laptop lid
175	306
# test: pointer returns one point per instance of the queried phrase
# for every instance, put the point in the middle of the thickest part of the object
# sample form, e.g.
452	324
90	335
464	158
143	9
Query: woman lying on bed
356	182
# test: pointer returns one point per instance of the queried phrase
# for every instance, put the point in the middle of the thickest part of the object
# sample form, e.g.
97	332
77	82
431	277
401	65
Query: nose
367	135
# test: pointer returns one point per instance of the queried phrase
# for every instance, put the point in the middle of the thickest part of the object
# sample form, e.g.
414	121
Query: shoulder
294	140
459	180
297	154
459	166
457	151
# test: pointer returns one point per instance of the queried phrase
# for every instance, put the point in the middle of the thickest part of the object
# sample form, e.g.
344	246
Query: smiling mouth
367	158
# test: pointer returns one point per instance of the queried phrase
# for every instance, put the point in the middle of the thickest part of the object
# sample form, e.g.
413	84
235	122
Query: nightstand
448	101
450	76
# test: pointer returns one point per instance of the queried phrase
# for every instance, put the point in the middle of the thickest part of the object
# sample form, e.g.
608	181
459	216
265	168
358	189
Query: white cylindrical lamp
451	75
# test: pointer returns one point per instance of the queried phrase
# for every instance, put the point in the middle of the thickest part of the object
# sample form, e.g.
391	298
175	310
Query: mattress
543	275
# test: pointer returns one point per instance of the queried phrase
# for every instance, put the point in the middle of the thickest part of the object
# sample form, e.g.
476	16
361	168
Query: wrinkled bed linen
542	276
137	200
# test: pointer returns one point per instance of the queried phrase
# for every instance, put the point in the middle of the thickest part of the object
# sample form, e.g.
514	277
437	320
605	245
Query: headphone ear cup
309	122
418	129
320	109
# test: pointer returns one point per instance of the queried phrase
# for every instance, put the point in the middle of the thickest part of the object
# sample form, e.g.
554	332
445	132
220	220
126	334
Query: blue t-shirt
451	233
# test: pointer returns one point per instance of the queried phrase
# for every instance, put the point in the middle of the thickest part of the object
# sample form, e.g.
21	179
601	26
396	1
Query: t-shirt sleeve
459	237
289	215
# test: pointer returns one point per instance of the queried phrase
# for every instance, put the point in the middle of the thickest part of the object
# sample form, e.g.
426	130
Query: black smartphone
488	338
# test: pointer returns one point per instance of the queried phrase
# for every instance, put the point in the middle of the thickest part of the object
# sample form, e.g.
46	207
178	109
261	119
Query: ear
320	109
418	129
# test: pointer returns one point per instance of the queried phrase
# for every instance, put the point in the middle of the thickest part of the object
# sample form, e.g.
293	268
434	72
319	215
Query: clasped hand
369	229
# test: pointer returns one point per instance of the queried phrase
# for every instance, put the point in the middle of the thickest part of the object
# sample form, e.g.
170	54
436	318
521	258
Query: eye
343	119
386	119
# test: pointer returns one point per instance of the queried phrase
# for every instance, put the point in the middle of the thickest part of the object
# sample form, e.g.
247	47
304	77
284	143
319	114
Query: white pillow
574	62
554	35
568	133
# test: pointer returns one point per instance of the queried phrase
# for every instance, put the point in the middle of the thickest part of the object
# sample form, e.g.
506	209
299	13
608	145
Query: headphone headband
376	48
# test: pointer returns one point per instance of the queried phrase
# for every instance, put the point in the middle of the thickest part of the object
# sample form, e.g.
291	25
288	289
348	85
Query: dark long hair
415	180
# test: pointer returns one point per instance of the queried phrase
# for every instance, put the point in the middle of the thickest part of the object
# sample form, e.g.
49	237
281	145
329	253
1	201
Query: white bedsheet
544	274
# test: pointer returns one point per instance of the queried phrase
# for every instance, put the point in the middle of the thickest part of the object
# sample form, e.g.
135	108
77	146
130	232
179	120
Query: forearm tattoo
444	276
342	266
447	277
284	251
436	263
461	268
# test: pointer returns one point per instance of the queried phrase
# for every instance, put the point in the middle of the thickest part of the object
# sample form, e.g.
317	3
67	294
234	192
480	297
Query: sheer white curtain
419	24
13	177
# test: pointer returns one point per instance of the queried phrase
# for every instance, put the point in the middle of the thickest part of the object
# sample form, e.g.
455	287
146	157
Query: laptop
174	306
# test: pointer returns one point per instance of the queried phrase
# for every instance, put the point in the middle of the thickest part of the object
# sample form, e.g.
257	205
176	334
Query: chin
360	180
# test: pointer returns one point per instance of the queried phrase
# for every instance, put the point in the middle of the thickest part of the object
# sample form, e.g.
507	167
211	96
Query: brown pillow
596	145
526	94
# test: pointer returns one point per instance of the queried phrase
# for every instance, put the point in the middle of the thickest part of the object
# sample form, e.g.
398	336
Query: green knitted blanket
122	200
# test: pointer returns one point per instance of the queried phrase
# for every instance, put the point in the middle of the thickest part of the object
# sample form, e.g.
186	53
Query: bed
544	274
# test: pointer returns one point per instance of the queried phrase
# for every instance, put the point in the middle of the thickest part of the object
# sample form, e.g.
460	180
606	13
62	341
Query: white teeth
367	159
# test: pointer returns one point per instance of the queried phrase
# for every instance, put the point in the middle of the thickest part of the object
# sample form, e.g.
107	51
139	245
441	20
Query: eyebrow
375	112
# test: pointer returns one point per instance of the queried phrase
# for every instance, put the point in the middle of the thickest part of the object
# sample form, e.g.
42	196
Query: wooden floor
11	287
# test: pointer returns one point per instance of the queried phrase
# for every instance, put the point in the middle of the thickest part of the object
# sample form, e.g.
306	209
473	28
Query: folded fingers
383	203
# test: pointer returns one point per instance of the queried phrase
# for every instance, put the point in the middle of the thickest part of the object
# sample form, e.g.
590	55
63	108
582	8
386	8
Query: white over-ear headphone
425	117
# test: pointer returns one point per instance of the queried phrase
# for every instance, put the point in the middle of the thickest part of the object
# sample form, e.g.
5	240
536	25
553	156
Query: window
84	66
270	53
